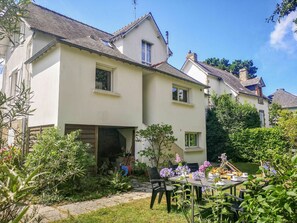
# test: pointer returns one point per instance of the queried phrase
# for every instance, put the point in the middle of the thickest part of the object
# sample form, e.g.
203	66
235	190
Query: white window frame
180	91
97	84
188	140
146	52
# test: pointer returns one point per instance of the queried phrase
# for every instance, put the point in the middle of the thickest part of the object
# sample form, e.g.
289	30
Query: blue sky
212	28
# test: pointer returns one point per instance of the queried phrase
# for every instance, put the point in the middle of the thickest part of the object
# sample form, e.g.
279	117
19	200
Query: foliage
65	159
274	110
15	192
249	144
160	139
283	9
13	108
120	183
10	17
274	200
11	156
227	117
234	67
288	123
139	168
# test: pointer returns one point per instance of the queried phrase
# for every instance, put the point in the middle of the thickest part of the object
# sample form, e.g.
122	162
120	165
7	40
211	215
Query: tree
282	10
160	139
234	67
227	117
274	110
13	108
11	12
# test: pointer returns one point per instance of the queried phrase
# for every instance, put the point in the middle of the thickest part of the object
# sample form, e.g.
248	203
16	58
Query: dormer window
146	50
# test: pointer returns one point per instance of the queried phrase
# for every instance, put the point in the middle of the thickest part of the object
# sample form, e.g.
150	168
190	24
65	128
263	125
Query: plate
220	183
244	176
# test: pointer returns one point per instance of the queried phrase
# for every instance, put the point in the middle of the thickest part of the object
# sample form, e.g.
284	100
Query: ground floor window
191	139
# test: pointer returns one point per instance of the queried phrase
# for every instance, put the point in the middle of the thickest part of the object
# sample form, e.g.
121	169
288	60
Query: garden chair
193	166
235	203
159	187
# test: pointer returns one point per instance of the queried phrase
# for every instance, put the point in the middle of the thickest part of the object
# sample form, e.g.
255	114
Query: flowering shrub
196	175
10	155
166	172
180	170
205	166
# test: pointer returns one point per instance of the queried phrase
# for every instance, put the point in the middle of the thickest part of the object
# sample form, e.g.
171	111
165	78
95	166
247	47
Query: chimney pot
243	74
192	56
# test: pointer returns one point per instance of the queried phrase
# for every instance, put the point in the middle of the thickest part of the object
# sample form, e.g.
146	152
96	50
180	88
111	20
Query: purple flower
196	175
204	166
182	170
166	172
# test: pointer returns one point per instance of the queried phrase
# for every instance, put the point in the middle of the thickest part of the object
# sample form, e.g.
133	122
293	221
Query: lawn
136	211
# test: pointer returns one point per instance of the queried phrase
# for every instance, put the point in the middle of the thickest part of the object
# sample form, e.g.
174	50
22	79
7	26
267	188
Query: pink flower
177	158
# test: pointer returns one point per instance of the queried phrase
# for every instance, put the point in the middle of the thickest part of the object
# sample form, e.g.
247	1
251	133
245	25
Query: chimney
192	56
243	74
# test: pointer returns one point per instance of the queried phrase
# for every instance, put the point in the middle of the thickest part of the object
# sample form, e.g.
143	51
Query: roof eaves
41	52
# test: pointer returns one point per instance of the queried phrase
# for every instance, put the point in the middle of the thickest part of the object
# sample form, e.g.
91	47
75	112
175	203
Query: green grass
136	211
250	168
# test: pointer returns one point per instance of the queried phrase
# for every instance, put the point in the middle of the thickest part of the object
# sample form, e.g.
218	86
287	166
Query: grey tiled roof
74	33
168	68
227	77
253	81
284	98
45	20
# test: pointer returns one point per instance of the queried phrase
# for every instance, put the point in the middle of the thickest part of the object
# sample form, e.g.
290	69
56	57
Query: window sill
183	103
194	149
97	91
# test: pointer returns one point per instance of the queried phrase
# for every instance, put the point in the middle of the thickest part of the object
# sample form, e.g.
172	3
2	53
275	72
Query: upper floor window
180	94
103	79
146	53
191	139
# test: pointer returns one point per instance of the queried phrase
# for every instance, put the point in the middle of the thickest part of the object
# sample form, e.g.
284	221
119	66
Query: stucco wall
254	101
131	44
160	108
79	104
45	85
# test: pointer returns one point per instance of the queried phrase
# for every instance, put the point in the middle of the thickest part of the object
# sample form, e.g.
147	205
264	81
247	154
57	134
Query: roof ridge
129	24
282	89
67	17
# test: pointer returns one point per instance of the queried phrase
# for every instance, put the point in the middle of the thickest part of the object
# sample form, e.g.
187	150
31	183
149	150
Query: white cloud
283	36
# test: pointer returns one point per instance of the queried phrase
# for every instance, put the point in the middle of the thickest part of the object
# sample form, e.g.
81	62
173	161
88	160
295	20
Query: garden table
203	182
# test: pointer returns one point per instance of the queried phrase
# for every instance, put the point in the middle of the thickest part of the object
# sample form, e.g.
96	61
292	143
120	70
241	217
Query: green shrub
65	160
250	144
15	192
277	201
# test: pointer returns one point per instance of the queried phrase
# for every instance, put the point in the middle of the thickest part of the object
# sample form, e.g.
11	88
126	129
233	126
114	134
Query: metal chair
235	203
159	187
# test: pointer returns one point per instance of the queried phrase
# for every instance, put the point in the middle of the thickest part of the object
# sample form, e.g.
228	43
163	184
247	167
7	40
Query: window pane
103	79
185	96
174	93
187	140
143	52
148	57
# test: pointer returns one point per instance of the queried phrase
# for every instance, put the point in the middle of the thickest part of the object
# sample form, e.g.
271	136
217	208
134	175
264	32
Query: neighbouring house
107	85
285	99
244	90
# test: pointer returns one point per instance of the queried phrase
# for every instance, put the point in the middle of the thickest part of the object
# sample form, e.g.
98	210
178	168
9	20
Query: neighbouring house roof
253	81
82	36
228	78
284	98
168	68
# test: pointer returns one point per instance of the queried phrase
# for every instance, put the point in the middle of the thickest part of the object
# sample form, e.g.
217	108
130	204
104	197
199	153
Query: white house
244	90
107	85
